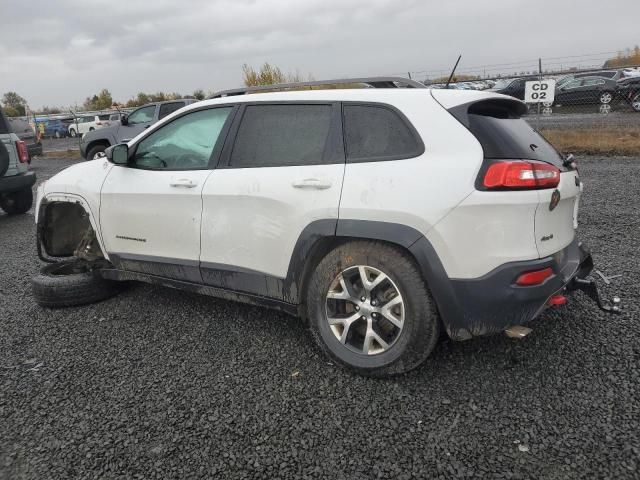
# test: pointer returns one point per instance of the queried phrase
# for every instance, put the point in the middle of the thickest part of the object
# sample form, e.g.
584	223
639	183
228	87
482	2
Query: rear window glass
378	133
504	135
281	135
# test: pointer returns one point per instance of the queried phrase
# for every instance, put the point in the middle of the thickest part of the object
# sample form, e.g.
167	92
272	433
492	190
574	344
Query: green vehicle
16	180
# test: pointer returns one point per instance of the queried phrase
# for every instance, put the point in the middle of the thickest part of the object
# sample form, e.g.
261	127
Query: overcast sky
58	52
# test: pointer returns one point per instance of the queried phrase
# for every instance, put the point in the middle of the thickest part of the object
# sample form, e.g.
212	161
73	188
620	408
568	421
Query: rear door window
103	117
377	132
282	135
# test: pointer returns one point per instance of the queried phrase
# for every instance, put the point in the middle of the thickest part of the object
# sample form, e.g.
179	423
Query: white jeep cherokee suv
379	215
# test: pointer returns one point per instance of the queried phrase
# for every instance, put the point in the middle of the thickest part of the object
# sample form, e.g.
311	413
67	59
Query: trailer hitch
591	289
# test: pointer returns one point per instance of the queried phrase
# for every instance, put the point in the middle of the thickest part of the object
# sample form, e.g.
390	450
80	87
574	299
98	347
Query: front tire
606	98
96	152
73	132
635	102
70	283
15	203
369	309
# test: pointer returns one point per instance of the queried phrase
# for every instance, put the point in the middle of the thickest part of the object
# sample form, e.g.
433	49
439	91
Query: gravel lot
157	383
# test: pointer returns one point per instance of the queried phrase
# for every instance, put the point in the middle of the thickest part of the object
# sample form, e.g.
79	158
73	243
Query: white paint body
251	218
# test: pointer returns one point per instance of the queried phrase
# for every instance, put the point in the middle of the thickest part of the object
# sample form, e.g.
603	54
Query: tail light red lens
535	277
521	174
23	152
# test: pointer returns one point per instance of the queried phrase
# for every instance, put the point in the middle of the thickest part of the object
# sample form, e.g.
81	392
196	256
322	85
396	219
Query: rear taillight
535	277
521	174
23	153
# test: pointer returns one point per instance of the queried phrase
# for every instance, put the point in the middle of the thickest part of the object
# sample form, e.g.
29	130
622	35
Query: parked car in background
24	131
87	124
95	143
628	91
16	180
514	87
53	127
586	91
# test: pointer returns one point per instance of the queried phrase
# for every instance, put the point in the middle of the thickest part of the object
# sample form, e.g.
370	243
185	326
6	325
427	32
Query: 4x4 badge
555	199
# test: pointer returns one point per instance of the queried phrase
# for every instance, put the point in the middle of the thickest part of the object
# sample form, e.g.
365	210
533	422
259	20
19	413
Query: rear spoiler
491	107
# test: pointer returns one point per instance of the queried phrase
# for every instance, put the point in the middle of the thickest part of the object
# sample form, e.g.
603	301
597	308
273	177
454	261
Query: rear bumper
493	302
16	183
34	149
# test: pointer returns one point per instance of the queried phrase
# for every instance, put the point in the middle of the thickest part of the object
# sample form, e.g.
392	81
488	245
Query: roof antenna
453	71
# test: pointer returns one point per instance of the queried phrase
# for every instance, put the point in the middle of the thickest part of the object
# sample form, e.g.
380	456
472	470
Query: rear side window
374	133
282	135
103	117
504	135
167	108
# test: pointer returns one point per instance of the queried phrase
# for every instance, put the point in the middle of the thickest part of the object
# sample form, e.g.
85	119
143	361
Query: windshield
502	83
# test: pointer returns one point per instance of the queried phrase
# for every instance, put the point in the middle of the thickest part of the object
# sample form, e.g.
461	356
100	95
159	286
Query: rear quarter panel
417	192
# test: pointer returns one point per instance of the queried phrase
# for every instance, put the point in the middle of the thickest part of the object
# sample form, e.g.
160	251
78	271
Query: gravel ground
157	383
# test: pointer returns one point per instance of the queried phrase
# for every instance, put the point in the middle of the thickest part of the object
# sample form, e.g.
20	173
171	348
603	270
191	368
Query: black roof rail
375	82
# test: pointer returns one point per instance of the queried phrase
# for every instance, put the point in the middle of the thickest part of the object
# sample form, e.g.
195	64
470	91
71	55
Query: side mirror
118	154
124	120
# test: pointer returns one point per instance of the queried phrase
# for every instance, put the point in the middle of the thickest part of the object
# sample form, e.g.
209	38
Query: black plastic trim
179	269
15	183
121	275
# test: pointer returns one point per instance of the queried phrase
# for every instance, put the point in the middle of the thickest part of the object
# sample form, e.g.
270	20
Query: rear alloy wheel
71	283
370	310
635	102
72	132
606	98
57	134
15	203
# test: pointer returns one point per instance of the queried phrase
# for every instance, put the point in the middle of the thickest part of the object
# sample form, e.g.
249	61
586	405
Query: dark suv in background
25	132
94	143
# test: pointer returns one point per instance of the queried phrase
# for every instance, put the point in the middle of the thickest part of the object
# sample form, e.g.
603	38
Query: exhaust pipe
518	331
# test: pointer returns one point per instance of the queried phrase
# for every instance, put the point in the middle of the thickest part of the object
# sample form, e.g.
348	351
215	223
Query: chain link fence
594	111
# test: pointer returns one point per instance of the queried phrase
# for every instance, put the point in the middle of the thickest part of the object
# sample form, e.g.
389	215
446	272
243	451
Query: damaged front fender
66	229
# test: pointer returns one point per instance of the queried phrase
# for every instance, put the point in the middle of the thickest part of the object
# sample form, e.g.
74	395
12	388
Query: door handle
183	182
316	183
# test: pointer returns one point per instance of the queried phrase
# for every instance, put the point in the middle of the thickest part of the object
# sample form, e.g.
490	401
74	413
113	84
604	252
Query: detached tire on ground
369	309
68	284
15	203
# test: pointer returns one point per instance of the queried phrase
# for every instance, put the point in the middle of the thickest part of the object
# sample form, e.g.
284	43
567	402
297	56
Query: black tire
15	203
73	133
67	284
421	327
94	150
91	129
4	159
635	103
